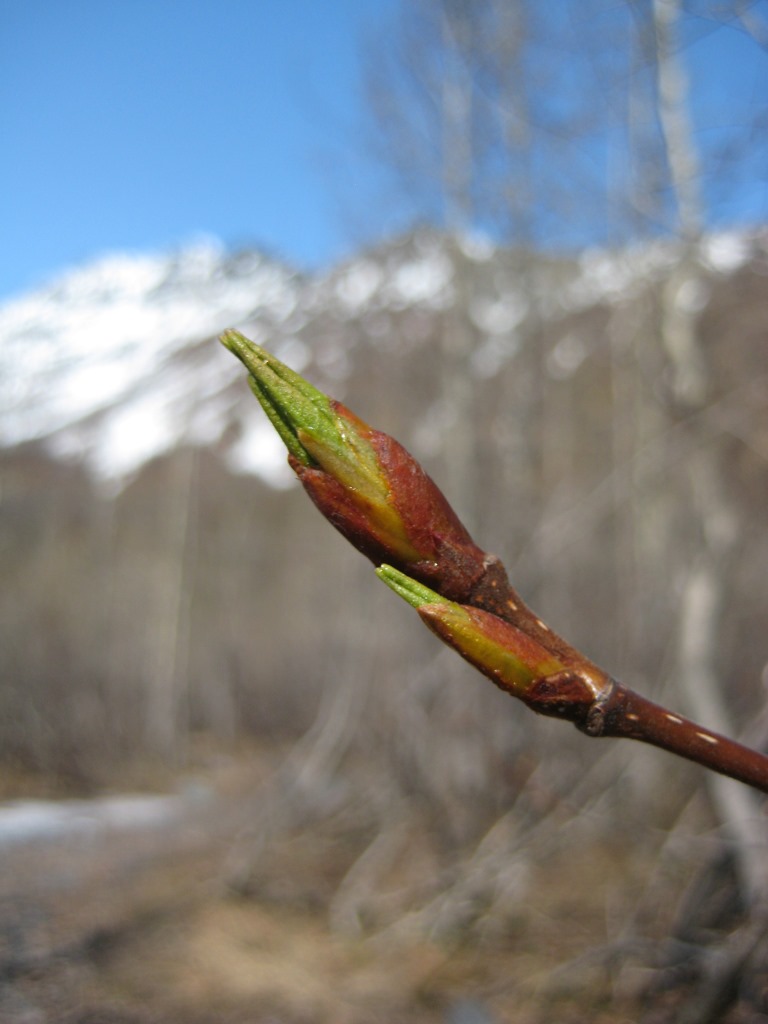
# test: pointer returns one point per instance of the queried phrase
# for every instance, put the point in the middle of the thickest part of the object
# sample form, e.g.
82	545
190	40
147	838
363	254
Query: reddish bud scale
449	559
499	650
514	661
351	514
417	531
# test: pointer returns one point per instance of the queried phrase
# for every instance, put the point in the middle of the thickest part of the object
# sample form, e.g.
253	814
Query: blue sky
144	124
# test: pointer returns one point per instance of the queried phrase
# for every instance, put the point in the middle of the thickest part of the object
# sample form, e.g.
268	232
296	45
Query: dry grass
192	953
152	935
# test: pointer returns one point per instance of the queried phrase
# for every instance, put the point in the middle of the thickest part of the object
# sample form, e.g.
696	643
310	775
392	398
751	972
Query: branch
626	713
379	497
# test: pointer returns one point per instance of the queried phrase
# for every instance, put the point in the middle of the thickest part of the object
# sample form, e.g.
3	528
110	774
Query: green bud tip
318	432
410	590
292	404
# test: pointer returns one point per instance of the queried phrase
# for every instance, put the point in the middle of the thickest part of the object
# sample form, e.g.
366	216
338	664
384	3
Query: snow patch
136	432
612	276
24	821
101	365
115	363
425	281
260	452
498	315
726	252
358	284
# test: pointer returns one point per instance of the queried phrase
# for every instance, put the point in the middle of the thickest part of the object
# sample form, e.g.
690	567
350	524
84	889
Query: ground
145	929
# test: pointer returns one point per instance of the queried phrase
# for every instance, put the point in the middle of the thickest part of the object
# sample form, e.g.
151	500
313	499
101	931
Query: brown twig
627	714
